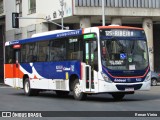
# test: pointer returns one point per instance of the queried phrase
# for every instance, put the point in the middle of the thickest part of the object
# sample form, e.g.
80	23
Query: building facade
36	15
2	36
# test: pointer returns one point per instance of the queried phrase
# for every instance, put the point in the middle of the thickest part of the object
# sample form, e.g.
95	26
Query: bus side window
23	53
53	51
43	51
75	49
8	55
58	50
31	52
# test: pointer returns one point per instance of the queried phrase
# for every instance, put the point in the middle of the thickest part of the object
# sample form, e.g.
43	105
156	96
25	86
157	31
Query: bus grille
123	87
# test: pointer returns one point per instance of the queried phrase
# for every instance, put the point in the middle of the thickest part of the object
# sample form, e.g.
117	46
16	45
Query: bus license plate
129	89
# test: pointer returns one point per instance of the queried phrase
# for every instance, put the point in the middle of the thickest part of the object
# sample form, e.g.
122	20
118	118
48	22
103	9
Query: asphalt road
14	100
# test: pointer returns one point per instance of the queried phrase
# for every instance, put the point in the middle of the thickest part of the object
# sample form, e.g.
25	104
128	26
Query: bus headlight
148	77
106	78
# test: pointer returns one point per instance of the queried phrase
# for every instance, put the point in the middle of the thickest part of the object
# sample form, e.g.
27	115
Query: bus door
16	77
91	63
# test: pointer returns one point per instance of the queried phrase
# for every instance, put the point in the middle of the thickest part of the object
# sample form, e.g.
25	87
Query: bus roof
62	33
50	33
119	27
46	35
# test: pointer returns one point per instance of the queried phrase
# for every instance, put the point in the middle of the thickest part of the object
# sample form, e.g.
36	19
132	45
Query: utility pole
62	12
103	13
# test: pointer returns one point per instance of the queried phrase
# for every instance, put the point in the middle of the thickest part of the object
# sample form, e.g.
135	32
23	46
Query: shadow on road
139	96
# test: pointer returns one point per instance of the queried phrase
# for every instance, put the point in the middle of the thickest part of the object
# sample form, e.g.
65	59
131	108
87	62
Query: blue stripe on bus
54	70
47	37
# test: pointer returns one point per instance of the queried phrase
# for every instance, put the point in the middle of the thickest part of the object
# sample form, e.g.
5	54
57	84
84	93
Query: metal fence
119	3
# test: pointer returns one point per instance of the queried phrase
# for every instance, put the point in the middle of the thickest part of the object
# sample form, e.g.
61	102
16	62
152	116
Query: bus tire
27	89
118	96
77	93
62	93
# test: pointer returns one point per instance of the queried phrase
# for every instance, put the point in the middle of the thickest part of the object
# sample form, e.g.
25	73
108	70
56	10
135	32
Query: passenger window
58	50
43	51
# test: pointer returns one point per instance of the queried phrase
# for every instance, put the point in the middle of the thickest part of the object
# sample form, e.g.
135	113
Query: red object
16	46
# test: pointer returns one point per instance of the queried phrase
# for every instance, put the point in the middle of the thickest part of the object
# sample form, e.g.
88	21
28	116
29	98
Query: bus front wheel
77	92
27	89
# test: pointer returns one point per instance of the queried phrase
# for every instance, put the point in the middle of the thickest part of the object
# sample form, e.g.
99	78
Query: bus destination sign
121	33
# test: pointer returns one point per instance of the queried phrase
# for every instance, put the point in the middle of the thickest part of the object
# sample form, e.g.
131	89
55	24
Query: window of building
31	29
32	6
1	7
30	33
18	36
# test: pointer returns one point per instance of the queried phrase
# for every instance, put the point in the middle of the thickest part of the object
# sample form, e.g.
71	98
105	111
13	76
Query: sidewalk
2	84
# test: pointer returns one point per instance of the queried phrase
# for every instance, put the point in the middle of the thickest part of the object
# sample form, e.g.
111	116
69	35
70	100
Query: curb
2	84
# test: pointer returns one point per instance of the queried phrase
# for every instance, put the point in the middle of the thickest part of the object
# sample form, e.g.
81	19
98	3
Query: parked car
155	78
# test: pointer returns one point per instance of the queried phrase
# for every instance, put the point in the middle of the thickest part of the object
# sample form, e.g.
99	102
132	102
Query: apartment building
85	13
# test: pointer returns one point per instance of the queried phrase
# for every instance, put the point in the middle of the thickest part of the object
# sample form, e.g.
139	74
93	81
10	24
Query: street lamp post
103	13
62	12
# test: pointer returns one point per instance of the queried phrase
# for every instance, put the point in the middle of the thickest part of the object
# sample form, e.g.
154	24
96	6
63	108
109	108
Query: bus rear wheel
77	92
27	89
118	96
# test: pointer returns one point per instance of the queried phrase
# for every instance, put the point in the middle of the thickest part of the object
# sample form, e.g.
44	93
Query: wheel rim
154	82
77	90
26	87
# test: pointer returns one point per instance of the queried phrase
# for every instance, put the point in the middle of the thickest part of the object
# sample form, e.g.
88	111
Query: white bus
104	59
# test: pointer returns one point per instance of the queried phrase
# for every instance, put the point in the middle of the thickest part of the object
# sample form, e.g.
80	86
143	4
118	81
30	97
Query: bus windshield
124	54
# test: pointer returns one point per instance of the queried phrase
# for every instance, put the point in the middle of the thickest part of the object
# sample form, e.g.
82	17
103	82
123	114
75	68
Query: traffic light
15	20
